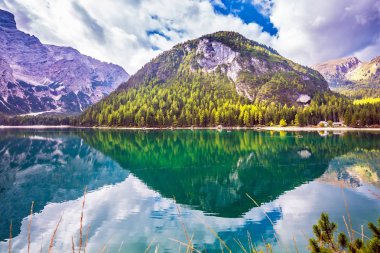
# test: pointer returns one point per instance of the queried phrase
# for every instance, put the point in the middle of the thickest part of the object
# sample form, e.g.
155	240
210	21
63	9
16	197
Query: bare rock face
36	77
215	54
304	99
367	72
336	71
248	70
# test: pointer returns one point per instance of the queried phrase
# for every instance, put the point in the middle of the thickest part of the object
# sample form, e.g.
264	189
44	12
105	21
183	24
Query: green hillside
221	78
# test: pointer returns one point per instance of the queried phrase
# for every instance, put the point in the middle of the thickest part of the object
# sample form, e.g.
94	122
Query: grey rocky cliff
215	56
35	77
336	71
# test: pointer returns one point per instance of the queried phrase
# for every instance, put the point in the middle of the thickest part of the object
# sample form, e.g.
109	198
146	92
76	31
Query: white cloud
117	31
219	3
131	219
132	213
264	6
131	32
311	32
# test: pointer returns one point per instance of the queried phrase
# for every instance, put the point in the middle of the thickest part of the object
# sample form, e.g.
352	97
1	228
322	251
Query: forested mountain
255	71
352	77
224	78
35	77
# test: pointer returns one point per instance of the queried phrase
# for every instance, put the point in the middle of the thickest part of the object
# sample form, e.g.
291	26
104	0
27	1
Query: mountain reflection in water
132	177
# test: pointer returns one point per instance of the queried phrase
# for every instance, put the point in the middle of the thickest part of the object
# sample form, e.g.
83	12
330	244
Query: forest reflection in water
208	172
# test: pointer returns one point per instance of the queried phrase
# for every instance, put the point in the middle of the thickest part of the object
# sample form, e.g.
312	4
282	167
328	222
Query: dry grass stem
81	222
183	244
221	247
87	233
295	244
250	244
121	245
149	245
348	231
30	224
72	244
254	201
53	236
362	234
218	237
348	213
190	245
180	219
10	239
103	248
238	242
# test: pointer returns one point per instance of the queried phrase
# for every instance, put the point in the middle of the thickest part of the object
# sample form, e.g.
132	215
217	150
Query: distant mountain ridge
35	77
350	75
336	71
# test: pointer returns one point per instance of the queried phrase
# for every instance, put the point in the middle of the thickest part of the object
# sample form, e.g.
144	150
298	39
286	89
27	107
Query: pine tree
325	242
283	123
297	120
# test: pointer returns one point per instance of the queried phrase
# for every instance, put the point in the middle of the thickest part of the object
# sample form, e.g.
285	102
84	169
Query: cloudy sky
131	32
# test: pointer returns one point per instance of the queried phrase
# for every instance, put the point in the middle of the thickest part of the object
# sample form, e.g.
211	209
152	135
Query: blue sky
247	12
131	32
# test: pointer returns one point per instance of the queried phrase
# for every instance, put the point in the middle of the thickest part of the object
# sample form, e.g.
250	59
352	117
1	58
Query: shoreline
328	129
256	128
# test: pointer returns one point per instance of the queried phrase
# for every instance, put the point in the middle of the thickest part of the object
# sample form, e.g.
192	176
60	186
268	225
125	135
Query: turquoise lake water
133	177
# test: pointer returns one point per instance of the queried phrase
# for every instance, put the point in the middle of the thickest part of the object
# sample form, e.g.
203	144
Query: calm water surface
132	178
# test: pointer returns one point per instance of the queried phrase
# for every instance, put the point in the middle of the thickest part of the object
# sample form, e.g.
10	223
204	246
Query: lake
155	188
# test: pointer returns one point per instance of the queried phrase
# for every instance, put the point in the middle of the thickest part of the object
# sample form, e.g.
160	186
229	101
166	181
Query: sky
131	32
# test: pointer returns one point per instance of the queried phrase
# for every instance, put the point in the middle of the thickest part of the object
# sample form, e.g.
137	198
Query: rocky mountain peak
7	20
376	60
252	68
352	76
335	71
348	63
36	77
338	67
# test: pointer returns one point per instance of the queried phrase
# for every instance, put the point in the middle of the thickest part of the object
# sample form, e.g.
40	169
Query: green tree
325	240
296	120
283	123
246	118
